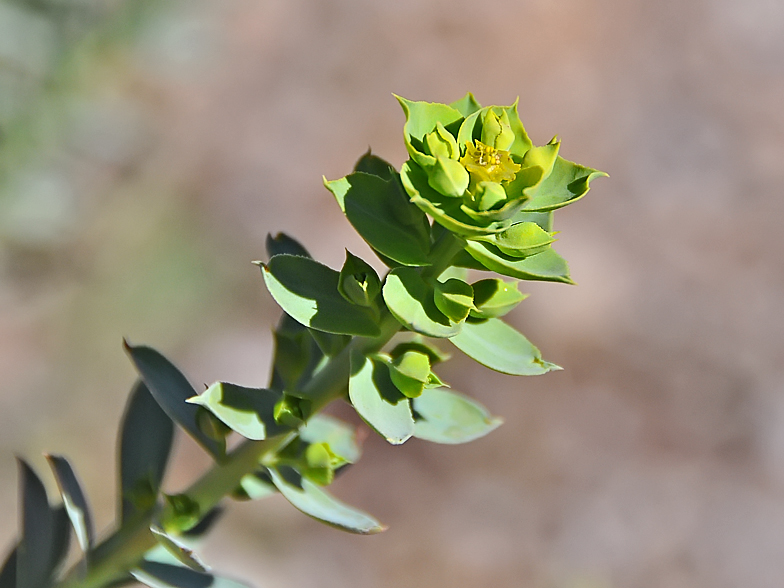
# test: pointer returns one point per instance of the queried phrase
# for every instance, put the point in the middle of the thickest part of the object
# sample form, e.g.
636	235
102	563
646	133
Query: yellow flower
486	164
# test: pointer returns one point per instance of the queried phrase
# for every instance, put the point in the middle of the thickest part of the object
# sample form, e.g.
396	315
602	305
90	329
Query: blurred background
148	147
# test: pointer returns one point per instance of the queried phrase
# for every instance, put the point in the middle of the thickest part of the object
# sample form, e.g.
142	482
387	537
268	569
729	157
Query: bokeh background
148	147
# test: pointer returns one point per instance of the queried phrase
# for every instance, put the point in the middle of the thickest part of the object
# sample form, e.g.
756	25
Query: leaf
521	239
248	411
171	389
386	220
322	506
308	291
8	571
358	281
43	541
181	553
74	500
256	487
444	416
145	443
421	119
546	266
454	298
374	165
500	347
162	575
410	372
341	437
296	354
467	105
378	401
423	346
205	524
282	243
411	301
494	298
567	183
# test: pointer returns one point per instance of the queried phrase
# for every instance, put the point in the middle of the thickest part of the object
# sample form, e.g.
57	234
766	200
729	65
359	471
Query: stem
124	549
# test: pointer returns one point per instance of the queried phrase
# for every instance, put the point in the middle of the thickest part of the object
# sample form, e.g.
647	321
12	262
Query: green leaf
385	218
520	240
500	347
448	177
145	441
308	291
358	282
435	355
444	416
248	411
283	244
567	183
411	301
454	298
445	210
163	575
546	266
8	571
257	486
180	552
378	401
43	542
467	105
374	165
296	355
494	298
322	506
341	437
410	372
74	500
421	119
328	343
170	389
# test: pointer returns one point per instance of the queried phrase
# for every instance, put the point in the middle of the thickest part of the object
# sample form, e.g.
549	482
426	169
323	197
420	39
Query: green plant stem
124	549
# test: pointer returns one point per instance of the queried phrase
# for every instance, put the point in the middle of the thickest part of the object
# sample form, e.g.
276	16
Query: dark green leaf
171	389
205	524
444	416
546	266
322	506
358	282
8	571
145	444
374	165
162	575
296	354
74	500
411	301
378	401
248	411
385	218
40	545
282	243
308	291
329	344
500	347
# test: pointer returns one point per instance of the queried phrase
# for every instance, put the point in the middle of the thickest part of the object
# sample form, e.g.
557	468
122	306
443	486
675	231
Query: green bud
523	239
488	194
496	131
448	177
410	372
291	411
358	282
441	143
454	298
494	298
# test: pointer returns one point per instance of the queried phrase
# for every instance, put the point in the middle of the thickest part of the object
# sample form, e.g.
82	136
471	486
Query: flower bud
496	131
488	194
448	177
441	143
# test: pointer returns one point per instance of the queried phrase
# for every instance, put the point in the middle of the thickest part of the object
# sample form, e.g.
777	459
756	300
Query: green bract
475	171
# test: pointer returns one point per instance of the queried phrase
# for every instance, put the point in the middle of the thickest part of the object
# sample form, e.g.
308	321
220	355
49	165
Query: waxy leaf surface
449	417
501	347
322	506
74	500
546	266
411	301
308	291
